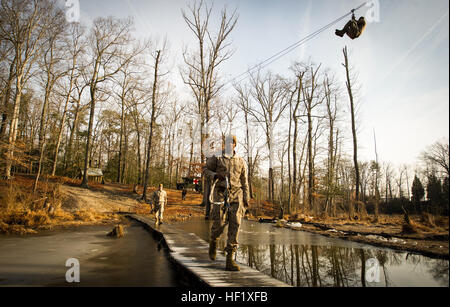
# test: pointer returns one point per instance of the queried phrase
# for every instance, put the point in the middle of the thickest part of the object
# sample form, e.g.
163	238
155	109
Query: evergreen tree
434	190
418	192
446	192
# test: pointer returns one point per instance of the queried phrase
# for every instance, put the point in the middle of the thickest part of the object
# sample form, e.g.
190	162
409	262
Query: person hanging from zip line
354	28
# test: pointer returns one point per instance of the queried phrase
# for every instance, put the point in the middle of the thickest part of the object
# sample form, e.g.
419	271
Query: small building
94	174
194	183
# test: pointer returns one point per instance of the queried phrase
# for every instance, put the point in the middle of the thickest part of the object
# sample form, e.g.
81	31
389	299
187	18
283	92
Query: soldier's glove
220	176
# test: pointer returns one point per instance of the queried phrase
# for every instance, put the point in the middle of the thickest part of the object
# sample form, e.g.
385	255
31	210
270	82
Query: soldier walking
159	201
229	173
206	202
183	193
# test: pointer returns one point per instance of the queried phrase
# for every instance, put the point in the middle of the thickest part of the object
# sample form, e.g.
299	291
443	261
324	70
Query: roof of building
93	172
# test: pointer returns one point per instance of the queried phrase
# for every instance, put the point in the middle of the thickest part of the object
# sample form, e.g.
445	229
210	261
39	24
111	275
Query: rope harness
225	203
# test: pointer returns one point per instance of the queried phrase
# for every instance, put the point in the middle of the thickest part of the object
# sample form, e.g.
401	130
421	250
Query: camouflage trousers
159	210
230	216
352	30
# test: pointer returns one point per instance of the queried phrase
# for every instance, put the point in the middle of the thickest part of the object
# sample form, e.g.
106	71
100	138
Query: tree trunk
310	161
355	144
13	126
5	100
122	127
69	148
63	120
152	124
249	158
85	183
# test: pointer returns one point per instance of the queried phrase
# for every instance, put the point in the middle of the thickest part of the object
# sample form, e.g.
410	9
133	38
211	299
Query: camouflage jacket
236	170
159	198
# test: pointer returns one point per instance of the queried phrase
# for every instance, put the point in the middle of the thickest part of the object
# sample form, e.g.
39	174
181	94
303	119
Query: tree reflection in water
331	266
306	260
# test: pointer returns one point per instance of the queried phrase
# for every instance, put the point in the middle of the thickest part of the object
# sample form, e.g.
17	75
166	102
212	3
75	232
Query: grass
23	211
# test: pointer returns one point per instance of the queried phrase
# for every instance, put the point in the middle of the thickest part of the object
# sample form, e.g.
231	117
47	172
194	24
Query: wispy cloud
407	54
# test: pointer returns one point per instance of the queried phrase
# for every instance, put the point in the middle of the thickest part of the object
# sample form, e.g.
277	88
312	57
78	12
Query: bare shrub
408	225
427	219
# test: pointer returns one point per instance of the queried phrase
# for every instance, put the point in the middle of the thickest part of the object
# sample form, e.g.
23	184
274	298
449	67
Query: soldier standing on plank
219	169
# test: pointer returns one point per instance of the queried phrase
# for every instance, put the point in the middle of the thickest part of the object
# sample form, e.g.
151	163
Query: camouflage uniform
159	201
206	202
235	169
354	28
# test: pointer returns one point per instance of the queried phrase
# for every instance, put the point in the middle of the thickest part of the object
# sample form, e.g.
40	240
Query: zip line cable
290	48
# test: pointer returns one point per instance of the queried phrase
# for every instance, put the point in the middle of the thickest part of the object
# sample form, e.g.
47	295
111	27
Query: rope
291	48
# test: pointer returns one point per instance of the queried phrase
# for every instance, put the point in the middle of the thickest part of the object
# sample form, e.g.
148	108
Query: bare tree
399	182
311	101
127	82
201	73
300	72
332	142
437	155
7	57
376	168
109	41
352	110
270	94
172	119
158	58
139	97
80	85
52	68
244	105
388	171
76	48
24	26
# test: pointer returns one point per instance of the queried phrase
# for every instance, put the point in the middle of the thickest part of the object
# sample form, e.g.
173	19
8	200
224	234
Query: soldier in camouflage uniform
354	28
218	169
206	202
206	190
159	201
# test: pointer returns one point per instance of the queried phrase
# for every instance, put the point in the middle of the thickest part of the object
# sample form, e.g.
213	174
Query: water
308	260
133	260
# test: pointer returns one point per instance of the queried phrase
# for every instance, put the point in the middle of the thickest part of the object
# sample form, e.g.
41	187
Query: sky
401	60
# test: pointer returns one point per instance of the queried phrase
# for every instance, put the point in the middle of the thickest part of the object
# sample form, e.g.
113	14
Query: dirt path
109	199
120	198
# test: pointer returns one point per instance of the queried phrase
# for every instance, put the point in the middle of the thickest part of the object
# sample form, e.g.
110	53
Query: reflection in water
303	259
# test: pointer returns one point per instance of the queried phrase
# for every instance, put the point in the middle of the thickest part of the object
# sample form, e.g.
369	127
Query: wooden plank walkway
191	252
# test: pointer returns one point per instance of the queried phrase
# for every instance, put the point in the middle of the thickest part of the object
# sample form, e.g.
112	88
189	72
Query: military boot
231	264
212	250
340	33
